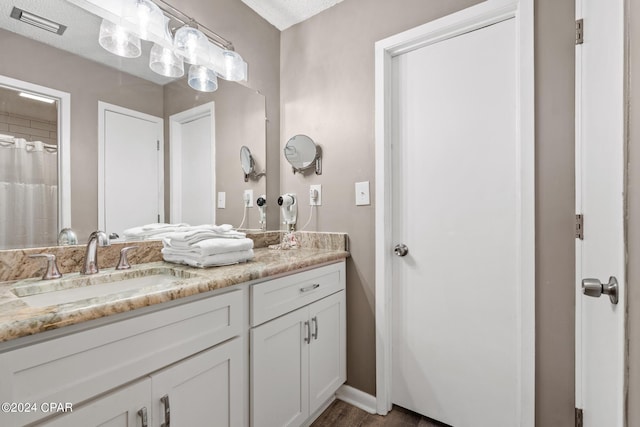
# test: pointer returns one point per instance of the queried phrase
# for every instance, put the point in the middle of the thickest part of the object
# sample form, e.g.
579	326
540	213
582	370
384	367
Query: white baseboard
357	398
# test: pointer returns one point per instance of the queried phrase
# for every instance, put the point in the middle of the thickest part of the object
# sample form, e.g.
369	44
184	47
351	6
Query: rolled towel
217	260
208	247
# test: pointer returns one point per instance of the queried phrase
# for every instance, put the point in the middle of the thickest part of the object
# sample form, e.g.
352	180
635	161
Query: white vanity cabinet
190	353
298	345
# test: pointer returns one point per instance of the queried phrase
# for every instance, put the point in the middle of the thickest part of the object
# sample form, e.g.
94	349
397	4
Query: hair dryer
289	207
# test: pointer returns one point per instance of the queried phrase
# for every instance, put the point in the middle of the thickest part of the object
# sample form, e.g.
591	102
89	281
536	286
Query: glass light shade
191	45
118	40
233	67
145	16
202	79
164	62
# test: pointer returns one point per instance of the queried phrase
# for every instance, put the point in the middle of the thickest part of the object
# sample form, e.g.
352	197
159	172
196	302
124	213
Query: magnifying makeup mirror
248	164
302	154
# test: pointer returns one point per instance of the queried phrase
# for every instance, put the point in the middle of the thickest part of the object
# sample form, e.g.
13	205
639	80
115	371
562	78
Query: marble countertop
17	319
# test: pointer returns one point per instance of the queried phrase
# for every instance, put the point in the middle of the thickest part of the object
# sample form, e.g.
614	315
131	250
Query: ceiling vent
37	21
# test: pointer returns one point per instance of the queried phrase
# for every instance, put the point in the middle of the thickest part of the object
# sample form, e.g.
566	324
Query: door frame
472	18
103	107
176	121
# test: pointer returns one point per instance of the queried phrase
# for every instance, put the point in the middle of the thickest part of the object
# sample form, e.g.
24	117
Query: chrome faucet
97	238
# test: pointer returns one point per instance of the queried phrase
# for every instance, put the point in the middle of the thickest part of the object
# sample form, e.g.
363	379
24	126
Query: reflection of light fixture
37	97
164	62
117	40
202	79
128	21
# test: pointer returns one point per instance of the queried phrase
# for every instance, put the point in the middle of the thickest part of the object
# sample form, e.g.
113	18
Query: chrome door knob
594	288
401	249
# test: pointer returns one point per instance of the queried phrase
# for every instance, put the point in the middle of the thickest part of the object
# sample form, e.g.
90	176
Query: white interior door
193	171
600	166
456	331
131	170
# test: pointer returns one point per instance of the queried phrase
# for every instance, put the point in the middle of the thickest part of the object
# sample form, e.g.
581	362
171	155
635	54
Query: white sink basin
76	287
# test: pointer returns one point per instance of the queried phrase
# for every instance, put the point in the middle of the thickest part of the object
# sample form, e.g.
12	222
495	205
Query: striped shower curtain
28	194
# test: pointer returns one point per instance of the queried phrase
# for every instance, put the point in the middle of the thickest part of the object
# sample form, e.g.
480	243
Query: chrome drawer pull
314	319
310	288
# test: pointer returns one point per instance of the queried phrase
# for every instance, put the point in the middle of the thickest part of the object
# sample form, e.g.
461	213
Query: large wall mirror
74	63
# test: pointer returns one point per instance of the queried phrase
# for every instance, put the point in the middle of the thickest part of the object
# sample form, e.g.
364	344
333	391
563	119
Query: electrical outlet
248	198
222	198
315	195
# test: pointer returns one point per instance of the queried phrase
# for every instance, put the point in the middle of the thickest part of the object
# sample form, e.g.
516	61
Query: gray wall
633	217
327	92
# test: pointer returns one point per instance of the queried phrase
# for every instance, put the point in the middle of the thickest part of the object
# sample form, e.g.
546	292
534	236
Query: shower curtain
28	193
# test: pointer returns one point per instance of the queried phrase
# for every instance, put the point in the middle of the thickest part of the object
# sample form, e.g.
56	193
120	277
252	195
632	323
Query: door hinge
158	218
579	227
579	31
158	145
578	417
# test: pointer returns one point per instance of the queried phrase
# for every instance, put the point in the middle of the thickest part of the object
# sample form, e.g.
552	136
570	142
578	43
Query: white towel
208	247
192	235
211	260
152	231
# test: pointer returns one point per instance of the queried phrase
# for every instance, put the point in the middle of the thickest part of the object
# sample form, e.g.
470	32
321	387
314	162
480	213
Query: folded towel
192	235
152	231
211	260
208	247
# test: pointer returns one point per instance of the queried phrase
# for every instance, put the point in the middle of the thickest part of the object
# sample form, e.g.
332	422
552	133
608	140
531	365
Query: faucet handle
51	271
123	264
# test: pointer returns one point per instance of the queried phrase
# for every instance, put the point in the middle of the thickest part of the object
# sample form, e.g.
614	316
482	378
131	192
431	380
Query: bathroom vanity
261	344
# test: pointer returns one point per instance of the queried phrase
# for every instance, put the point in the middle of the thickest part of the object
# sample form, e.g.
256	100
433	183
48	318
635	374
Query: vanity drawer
279	296
81	365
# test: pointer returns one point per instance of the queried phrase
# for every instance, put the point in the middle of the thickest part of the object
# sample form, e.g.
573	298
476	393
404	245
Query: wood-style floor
341	414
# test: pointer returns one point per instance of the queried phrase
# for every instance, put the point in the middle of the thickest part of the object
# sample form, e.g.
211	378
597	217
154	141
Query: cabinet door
279	371
121	408
327	352
203	390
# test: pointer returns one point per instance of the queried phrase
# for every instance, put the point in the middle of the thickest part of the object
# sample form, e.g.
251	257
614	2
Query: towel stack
207	246
152	231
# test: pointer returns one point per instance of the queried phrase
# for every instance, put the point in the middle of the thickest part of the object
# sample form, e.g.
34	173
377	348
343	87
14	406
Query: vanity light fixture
37	21
37	97
177	38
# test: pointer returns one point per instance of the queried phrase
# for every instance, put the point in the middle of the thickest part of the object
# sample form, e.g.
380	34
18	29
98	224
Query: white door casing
192	153
471	19
130	168
600	188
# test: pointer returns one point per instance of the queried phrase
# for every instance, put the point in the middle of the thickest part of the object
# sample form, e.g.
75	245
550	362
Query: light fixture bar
172	12
37	21
37	97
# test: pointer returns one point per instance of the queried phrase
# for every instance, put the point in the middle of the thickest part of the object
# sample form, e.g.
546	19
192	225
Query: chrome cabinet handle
314	319
167	412
310	288
142	413
594	288
307	337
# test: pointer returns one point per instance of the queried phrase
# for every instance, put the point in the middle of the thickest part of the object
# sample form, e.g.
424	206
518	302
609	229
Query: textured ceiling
284	13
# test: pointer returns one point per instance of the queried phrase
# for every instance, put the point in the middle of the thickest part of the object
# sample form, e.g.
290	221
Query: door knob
594	288
401	249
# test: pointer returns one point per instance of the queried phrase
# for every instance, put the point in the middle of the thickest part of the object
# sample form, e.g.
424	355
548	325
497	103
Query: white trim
483	14
175	155
103	107
64	142
357	398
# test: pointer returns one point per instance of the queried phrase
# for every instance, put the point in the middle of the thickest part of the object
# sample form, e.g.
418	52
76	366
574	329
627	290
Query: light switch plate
362	193
222	198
